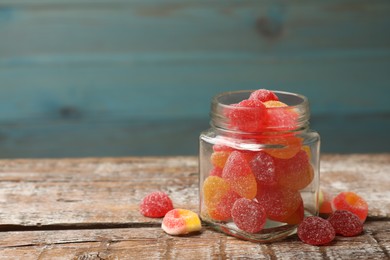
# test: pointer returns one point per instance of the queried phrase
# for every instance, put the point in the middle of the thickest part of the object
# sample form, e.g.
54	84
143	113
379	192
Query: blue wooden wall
135	77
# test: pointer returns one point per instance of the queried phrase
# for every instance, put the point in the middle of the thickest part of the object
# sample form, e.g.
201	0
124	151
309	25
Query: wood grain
88	209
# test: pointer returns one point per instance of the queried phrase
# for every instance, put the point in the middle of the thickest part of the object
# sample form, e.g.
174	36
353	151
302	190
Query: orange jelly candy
352	202
218	159
218	198
290	146
294	173
238	174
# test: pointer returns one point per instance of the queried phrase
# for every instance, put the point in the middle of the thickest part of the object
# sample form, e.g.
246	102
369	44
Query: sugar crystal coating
218	198
316	231
238	174
180	222
248	215
216	171
352	202
280	116
218	159
294	173
279	202
263	95
263	167
346	223
247	115
156	205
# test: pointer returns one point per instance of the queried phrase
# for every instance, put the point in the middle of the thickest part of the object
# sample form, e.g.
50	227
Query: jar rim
226	101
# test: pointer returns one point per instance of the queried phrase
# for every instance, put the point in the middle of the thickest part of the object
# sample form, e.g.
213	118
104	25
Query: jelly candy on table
238	174
180	222
218	198
156	205
248	215
263	95
316	231
247	115
325	202
346	223
352	202
279	203
294	173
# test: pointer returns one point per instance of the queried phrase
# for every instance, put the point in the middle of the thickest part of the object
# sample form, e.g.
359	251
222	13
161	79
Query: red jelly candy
218	198
316	231
247	116
239	175
279	203
263	167
294	173
248	215
280	116
263	95
222	148
352	202
346	223
156	205
216	171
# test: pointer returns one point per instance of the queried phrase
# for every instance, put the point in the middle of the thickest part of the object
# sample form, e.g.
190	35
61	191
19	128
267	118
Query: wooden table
88	209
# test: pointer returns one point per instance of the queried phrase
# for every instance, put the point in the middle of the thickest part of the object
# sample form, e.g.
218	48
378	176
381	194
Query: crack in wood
78	226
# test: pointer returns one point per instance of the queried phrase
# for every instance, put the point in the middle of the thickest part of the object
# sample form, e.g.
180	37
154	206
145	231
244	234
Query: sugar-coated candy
238	174
218	198
222	148
346	223
180	222
280	116
216	171
218	159
288	146
352	202
279	202
263	95
156	205
297	216
294	173
316	231
248	215
247	115
324	202
263	167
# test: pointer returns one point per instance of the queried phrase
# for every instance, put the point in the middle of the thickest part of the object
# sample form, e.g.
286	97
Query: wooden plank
82	192
154	243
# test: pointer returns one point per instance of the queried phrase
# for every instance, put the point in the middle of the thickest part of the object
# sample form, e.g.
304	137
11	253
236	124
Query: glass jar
259	167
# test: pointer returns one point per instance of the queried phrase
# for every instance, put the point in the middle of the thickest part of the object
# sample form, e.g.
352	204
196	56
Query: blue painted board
122	77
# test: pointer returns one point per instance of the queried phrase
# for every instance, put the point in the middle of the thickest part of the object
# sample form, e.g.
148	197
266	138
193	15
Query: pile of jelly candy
176	221
249	187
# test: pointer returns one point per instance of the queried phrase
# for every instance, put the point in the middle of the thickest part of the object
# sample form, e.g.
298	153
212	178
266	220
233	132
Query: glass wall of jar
259	166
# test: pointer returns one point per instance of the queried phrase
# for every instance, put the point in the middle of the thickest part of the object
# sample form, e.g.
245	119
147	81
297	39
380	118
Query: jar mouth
224	111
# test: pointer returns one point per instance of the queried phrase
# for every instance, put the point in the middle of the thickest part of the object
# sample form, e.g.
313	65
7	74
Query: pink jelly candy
239	175
248	215
156	205
247	116
279	203
180	222
294	173
263	167
263	95
346	223
352	202
316	231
